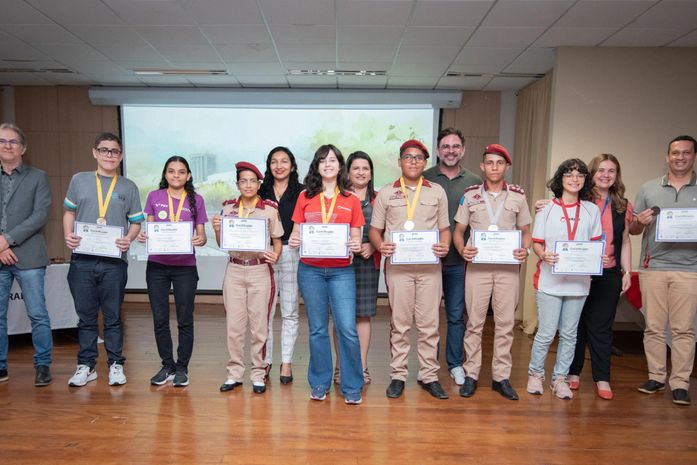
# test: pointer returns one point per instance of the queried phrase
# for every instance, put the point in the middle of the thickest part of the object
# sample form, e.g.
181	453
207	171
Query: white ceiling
257	42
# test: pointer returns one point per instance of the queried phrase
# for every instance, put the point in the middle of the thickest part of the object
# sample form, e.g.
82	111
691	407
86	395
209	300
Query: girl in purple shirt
174	201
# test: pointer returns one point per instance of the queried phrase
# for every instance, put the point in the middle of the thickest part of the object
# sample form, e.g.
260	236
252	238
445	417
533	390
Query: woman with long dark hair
366	263
282	186
330	282
174	201
595	326
571	216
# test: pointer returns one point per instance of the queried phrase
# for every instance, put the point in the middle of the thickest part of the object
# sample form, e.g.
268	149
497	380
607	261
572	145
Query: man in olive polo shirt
668	273
454	180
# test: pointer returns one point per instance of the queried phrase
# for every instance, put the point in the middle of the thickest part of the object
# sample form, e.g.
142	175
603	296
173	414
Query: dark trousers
183	279
98	282
595	326
454	297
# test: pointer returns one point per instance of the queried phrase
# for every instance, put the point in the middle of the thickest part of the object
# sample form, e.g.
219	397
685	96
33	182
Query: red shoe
574	384
605	394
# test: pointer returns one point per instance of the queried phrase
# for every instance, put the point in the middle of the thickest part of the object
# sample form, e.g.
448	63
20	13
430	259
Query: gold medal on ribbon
174	218
103	204
242	213
411	207
327	216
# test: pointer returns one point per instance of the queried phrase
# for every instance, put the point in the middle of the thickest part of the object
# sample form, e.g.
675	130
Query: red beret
497	149
244	165
415	144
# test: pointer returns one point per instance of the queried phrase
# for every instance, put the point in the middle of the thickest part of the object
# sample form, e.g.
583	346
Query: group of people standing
588	205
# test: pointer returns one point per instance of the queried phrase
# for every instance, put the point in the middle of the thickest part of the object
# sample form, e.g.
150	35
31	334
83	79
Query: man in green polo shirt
454	180
668	275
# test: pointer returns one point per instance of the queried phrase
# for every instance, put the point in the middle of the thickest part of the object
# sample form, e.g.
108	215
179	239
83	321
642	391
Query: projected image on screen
214	139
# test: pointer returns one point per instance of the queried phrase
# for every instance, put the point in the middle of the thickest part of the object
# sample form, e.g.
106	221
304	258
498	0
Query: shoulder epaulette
516	188
270	203
232	202
473	187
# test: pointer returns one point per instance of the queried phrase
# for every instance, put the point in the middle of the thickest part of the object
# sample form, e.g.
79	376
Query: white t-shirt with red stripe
550	226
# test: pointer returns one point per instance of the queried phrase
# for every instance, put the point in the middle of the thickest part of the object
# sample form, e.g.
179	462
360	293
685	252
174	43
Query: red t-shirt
347	211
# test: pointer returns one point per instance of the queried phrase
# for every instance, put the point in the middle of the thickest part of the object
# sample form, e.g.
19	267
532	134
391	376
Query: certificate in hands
414	247
319	240
676	225
168	238
244	234
98	239
579	257
496	246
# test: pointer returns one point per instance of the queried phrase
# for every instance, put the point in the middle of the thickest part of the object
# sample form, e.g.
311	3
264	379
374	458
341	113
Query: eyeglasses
247	182
109	152
574	176
413	158
448	147
12	142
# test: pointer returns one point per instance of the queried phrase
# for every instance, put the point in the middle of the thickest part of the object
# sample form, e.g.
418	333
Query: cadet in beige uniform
492	206
414	291
248	285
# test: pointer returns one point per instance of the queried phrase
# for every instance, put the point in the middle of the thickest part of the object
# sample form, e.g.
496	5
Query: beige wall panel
55	244
43	151
76	152
475	149
36	108
64	183
110	120
75	111
56	197
478	115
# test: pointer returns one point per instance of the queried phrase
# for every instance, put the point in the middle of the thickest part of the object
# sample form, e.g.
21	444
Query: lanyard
607	201
172	216
411	207
493	217
241	213
104	205
327	216
571	232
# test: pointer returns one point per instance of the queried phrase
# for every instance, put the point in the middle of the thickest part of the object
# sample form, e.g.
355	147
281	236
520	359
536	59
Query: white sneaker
116	375
561	388
535	384
458	374
83	375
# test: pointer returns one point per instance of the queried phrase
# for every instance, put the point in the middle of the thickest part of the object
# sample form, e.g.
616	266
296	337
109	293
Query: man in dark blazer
25	202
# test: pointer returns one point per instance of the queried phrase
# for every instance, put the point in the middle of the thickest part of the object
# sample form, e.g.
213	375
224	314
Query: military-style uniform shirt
265	209
472	210
453	190
390	208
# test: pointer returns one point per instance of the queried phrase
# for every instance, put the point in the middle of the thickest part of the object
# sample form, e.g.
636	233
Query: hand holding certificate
168	238
318	240
244	234
496	246
414	247
98	239
676	225
579	257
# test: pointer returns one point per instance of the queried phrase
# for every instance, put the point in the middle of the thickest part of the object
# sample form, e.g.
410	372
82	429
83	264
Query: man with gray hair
25	202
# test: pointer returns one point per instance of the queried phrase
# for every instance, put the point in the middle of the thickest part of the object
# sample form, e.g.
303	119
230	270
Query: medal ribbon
172	216
326	216
493	217
571	232
411	207
249	210
103	206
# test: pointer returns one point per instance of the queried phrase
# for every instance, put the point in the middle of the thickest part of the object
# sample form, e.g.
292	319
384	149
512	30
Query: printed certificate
414	247
244	234
676	225
98	239
496	246
168	238
579	257
320	240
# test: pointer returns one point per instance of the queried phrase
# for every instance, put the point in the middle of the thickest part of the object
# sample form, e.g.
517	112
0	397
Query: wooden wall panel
61	124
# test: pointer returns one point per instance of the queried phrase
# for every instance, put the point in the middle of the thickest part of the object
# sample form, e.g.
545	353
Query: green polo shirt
668	256
454	189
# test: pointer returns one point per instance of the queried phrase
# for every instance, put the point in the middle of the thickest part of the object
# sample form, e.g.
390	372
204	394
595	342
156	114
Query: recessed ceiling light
178	72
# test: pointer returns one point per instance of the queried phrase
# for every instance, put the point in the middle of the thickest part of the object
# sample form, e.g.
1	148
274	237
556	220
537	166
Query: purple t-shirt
157	205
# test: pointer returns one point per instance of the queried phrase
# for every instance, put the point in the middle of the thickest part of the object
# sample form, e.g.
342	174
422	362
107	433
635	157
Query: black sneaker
651	387
4	376
681	397
43	376
162	376
181	379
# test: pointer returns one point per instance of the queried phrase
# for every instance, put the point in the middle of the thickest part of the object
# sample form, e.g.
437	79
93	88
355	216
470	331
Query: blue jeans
31	282
454	297
98	282
335	288
555	312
